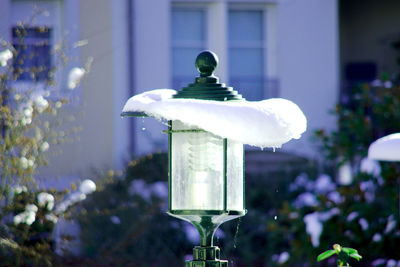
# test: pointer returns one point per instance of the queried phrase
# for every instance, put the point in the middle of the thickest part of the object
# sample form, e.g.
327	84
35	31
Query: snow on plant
87	187
75	76
281	258
28	216
46	200
5	56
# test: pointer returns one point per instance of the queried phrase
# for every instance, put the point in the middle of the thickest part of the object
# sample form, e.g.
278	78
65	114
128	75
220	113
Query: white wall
151	57
305	56
308	63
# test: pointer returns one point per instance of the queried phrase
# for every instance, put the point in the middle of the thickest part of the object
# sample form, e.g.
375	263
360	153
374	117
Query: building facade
266	48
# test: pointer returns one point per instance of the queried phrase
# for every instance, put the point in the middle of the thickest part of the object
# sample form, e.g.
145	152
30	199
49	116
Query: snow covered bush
356	204
124	221
30	106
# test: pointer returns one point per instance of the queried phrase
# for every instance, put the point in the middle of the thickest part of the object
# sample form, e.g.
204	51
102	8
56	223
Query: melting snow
267	123
386	148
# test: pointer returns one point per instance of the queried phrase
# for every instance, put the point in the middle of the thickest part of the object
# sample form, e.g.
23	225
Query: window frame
201	45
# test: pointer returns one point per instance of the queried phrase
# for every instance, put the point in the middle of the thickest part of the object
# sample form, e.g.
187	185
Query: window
246	52
188	39
33	46
242	34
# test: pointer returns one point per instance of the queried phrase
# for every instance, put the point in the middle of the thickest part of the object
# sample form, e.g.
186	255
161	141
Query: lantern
206	172
206	181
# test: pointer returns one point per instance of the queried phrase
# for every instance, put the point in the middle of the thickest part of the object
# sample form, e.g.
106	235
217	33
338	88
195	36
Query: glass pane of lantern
235	176
196	170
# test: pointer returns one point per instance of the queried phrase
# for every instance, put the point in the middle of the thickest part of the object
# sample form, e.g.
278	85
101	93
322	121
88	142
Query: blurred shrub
30	104
125	223
358	206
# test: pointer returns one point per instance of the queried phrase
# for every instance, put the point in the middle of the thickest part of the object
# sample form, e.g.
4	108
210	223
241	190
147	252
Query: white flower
391	224
376	83
18	219
51	217
5	55
378	262
23	162
31	207
26	121
115	219
41	103
313	227
30	217
345	174
28	111
139	187
352	216
324	184
387	84
76	197
19	189
283	257
306	199
370	166
368	187
58	104
75	76
377	237
44	199
31	162
335	197
301	181
44	146
87	187
160	189
27	217
363	223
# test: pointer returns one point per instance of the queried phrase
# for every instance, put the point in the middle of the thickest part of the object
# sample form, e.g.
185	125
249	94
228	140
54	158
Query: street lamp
206	172
208	123
206	181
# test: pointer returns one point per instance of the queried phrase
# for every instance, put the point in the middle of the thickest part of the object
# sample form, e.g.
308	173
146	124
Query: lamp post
206	181
206	172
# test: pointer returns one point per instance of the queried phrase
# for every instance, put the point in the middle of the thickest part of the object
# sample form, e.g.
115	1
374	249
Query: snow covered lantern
208	123
206	171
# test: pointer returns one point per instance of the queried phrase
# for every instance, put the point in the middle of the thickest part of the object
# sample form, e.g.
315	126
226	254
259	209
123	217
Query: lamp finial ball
206	63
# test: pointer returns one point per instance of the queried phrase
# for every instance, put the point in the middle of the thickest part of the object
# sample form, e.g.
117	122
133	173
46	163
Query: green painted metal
207	212
206	257
225	169
169	164
207	86
133	114
185	131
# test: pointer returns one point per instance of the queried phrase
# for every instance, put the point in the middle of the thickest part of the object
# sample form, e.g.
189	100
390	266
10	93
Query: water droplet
275	218
143	128
237	232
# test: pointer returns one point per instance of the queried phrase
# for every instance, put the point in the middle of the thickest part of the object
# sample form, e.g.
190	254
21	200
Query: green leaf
326	254
349	250
356	256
